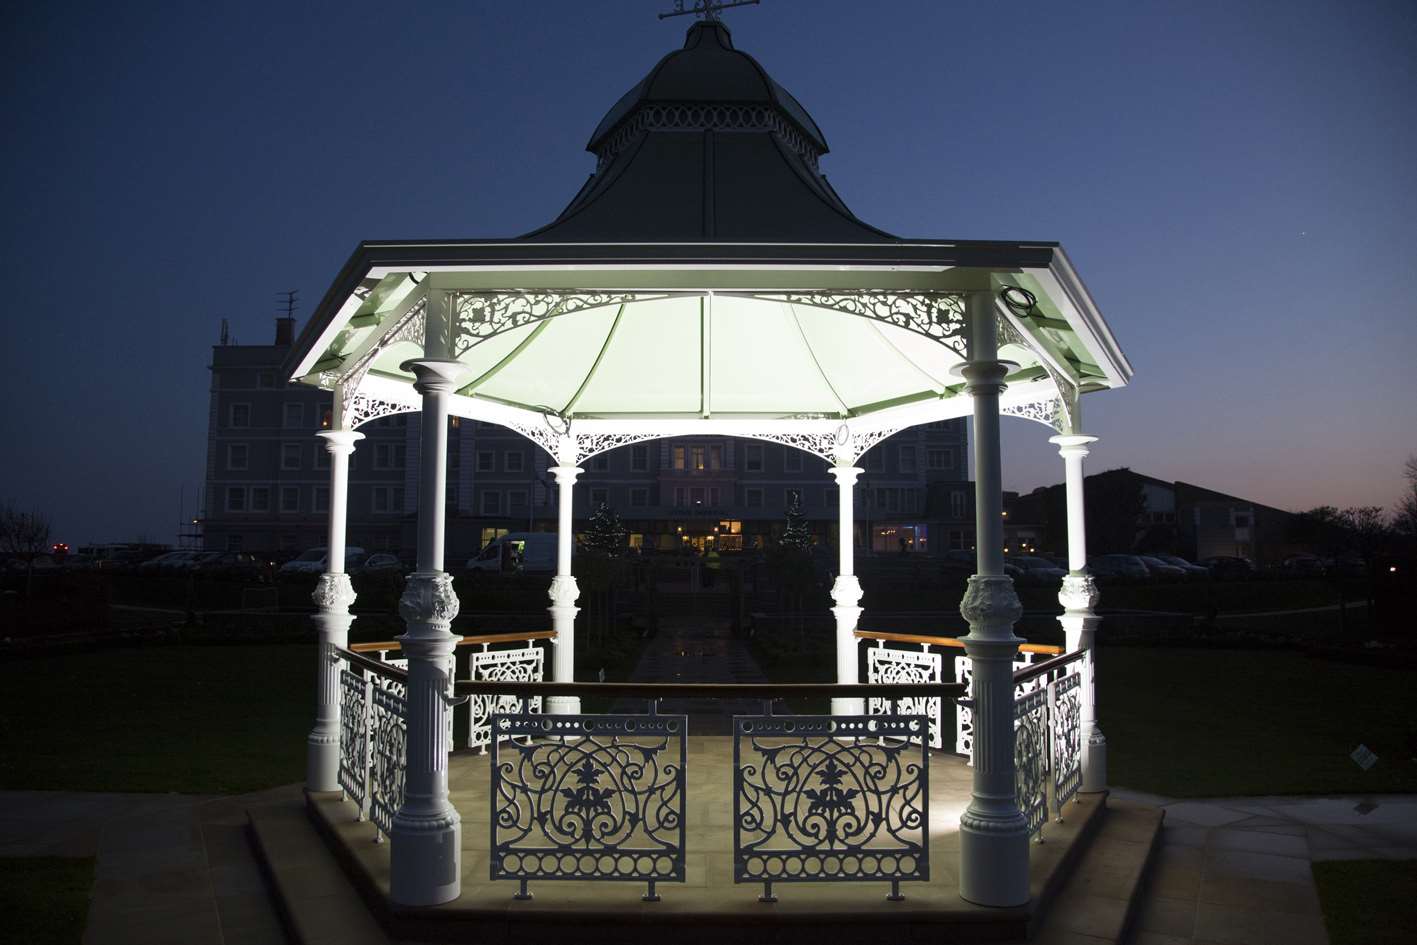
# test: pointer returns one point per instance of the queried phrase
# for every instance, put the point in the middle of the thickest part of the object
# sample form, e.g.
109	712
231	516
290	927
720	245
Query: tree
602	544
604	534
24	535
1404	517
1368	530
797	536
1322	529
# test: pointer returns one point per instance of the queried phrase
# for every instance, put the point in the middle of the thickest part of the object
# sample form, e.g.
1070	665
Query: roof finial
706	9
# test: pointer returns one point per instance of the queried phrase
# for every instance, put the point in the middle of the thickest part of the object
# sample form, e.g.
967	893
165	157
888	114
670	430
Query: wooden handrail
377	667
385	645
946	641
1047	666
758	691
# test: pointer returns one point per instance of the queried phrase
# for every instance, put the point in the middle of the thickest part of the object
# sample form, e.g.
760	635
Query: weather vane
706	9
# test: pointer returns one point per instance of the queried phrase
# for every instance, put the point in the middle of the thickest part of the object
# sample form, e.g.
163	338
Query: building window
830	496
327	416
239	415
956	540
698	459
791	460
389	455
939	459
639	498
238	456
513	460
290	498
909	500
260	499
265	379
386	499
322	456
753	498
753	457
696	497
678	457
235	499
322	498
486	461
491	503
599	462
907	459
517	498
679	497
599	497
294	415
715	456
639	459
290	456
713	497
956	504
875	459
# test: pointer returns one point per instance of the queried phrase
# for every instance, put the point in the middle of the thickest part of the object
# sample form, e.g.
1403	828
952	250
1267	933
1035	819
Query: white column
846	591
993	832
333	596
1079	599
564	591
427	832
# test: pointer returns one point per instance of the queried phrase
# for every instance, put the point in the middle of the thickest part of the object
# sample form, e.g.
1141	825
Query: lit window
678	457
698	459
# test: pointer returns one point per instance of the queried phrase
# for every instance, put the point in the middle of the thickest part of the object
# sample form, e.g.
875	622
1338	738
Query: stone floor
1236	871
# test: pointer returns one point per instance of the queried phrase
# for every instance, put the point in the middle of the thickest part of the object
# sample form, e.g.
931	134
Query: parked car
1161	569
1304	565
316	561
235	566
1037	570
383	563
1229	568
1118	567
189	565
164	563
1192	570
517	553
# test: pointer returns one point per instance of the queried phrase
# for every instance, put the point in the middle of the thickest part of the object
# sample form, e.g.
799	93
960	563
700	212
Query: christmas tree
604	535
797	537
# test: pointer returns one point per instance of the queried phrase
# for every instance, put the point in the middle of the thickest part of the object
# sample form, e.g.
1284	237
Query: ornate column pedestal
564	591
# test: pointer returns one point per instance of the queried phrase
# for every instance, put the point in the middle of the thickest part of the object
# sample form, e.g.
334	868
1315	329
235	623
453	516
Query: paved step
319	904
1097	900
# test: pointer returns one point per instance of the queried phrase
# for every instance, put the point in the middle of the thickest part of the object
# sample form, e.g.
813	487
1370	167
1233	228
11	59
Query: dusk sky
1236	182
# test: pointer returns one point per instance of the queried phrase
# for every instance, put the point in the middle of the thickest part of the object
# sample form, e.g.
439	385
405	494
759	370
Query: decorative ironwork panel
822	798
1065	738
524	664
890	666
702	116
588	797
388	751
937	315
411	326
480	315
354	737
1031	758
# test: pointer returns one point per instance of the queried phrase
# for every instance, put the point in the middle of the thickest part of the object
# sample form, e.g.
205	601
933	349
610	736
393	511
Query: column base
425	858
321	763
848	707
1094	764
563	705
993	855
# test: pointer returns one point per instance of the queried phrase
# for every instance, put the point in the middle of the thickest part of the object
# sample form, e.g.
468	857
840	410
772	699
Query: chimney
285	331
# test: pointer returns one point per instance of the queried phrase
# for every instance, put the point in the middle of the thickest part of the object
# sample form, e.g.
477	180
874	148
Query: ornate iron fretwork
354	737
388	751
1031	758
1049	412
480	315
1065	737
523	664
590	444
701	116
588	797
964	706
830	445
887	666
830	799
360	409
937	315
411	326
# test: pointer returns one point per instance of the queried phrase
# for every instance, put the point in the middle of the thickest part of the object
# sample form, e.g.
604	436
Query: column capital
436	375
1072	444
429	601
340	441
565	475
990	602
1079	593
333	592
845	473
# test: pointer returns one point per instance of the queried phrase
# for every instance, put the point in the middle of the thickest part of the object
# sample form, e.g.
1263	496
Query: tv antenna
290	299
705	9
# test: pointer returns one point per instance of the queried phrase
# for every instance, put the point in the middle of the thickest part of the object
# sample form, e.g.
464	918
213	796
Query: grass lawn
191	719
1368	902
1198	723
45	899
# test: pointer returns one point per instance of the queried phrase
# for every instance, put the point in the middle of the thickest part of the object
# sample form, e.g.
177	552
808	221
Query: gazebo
705	280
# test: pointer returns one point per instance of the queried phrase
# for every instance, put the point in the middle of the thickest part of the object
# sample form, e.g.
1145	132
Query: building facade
267	479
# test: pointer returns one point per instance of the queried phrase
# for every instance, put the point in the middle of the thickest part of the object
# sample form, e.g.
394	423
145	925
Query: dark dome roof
707	146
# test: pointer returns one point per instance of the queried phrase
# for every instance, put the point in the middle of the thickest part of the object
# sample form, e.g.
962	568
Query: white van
517	553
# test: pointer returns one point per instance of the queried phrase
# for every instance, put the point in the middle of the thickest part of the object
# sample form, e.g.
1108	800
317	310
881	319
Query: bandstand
707	280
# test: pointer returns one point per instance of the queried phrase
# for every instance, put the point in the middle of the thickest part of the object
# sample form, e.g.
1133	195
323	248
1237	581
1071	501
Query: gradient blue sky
1235	181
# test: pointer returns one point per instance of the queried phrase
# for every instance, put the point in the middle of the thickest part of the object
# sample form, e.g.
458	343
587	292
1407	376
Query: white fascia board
327	336
1037	350
1063	285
